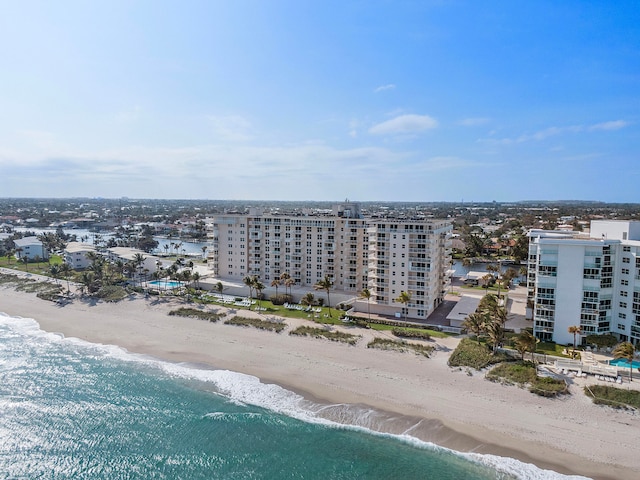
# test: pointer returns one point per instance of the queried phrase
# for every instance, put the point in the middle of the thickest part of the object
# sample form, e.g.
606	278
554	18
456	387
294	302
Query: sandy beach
451	407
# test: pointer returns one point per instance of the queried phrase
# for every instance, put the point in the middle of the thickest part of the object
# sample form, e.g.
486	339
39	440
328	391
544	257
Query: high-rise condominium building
591	281
385	256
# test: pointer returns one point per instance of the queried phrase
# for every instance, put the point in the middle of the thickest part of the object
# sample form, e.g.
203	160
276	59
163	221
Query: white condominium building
385	256
591	281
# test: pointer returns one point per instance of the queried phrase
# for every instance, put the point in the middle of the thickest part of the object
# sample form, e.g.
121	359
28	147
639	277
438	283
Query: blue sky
321	100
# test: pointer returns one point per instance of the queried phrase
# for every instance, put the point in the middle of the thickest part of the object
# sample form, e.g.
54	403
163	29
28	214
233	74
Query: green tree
404	298
54	271
259	287
575	330
65	270
526	342
475	323
366	294
495	332
627	351
275	283
325	284
308	299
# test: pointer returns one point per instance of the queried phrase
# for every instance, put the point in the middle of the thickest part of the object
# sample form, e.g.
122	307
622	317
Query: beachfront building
76	255
587	280
385	256
125	255
30	248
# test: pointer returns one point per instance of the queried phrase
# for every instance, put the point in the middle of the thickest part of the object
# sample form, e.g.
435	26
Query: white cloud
612	125
556	131
382	88
473	122
404	124
233	128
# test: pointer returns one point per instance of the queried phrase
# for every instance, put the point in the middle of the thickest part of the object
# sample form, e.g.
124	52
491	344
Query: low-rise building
30	248
75	255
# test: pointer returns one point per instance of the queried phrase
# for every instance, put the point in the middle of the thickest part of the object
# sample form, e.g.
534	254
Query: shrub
111	293
256	323
407	333
328	334
548	387
387	344
195	313
513	372
613	397
469	353
280	299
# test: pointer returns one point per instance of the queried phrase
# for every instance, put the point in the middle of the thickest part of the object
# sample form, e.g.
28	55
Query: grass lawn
40	268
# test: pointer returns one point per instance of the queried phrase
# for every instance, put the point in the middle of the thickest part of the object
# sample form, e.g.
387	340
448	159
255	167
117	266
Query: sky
372	100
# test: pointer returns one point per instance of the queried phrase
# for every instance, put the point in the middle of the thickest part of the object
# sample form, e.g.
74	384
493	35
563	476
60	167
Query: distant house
126	254
75	255
30	248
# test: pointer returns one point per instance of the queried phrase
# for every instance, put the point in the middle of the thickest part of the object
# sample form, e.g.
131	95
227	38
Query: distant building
30	248
386	256
75	255
591	281
126	254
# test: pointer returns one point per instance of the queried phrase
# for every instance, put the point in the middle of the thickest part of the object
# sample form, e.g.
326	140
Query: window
622	315
623	304
621	326
625	271
624	282
626	260
623	293
626	248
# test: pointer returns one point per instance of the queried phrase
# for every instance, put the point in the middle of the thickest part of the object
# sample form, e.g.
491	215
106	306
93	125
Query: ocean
72	409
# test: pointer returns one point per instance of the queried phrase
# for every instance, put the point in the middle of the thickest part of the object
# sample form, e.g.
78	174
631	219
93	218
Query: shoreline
450	408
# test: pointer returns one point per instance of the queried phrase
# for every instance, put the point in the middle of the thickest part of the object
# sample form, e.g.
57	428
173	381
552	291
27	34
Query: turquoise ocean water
72	409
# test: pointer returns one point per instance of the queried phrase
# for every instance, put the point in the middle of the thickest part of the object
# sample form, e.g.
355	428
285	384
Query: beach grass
334	336
613	397
469	353
400	346
256	323
195	313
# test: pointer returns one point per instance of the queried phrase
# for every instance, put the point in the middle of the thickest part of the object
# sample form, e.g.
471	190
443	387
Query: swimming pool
165	283
622	363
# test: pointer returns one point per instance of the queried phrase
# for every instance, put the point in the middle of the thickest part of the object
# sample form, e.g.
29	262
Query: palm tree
250	281
495	332
196	279
219	287
627	351
284	276
366	293
54	271
493	268
475	323
308	299
575	329
404	298
204	251
526	342
259	287
325	284
288	283
275	283
466	263
65	270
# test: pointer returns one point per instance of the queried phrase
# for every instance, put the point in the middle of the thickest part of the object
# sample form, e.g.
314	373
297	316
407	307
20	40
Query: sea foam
248	389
